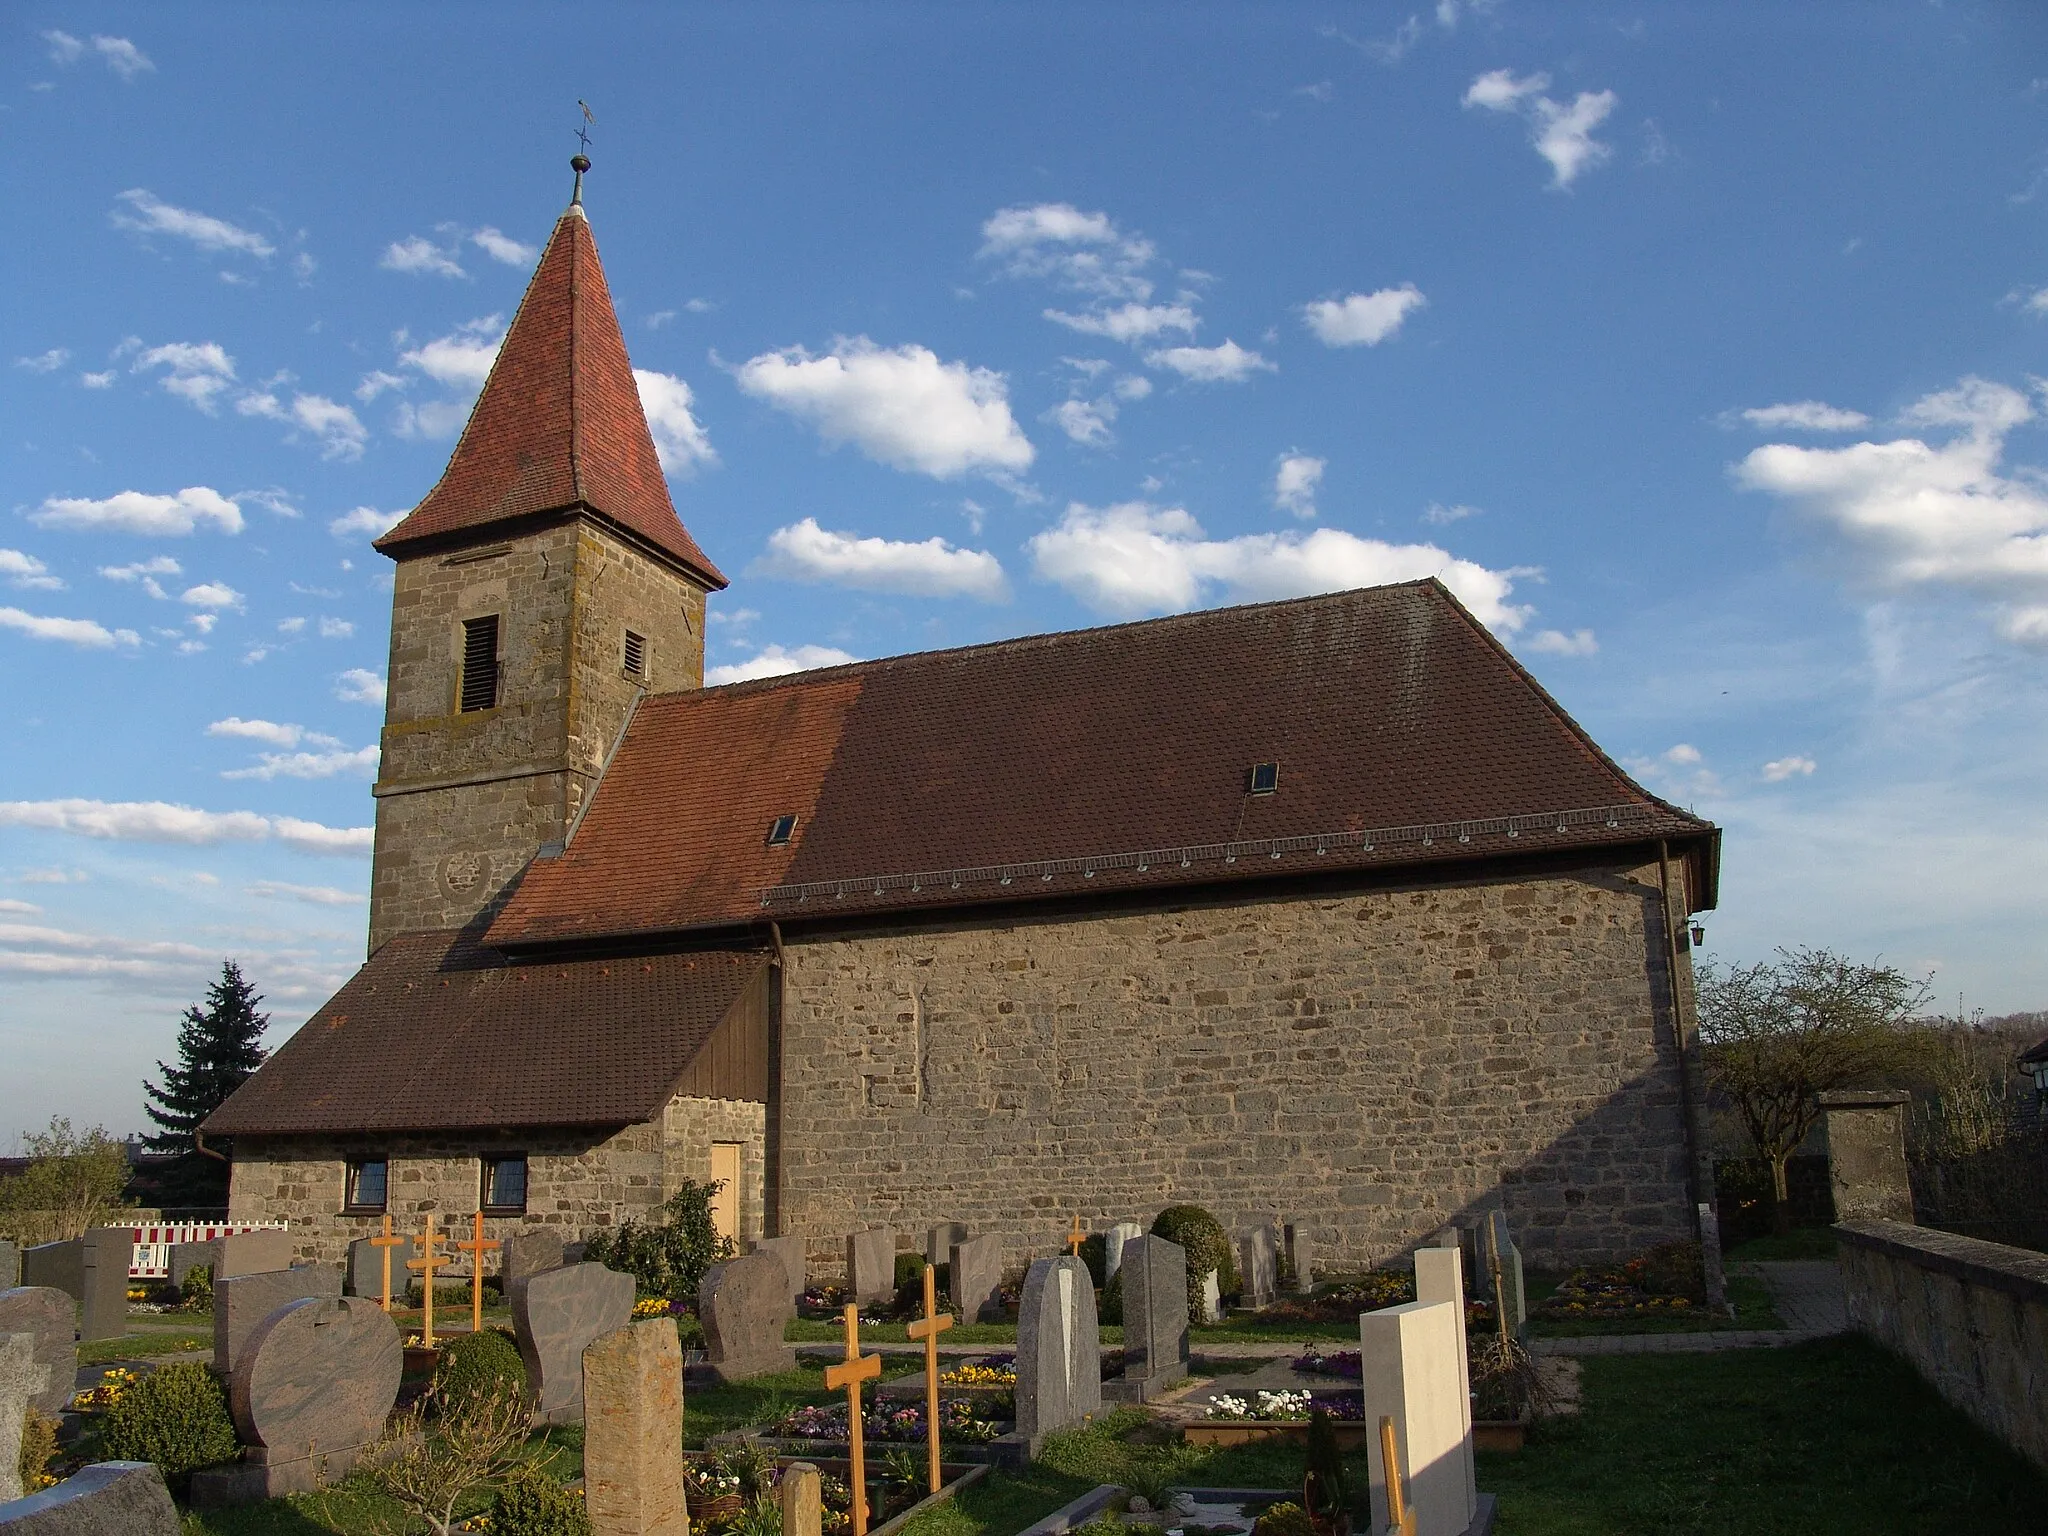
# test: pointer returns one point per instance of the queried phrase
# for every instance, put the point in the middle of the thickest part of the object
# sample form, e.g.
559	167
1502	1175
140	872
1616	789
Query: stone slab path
1807	1297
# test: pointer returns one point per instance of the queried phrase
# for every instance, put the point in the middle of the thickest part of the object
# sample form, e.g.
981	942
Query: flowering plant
106	1392
1266	1406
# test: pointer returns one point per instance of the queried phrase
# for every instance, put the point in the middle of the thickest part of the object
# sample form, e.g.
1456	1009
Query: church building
1321	910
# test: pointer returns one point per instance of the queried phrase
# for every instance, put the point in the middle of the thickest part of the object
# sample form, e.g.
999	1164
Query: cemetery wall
577	1179
1971	1316
1374	1063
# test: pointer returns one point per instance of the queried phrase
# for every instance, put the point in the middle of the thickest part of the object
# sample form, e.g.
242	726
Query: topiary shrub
474	1365
533	1504
1207	1246
177	1416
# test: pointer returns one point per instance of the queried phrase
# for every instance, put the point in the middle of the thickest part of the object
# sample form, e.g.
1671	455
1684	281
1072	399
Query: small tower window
480	662
1265	778
634	659
780	831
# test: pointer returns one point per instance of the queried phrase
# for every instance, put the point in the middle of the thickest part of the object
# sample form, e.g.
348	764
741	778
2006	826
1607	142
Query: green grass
1799	1243
1245	1330
1831	1438
1751	1297
135	1346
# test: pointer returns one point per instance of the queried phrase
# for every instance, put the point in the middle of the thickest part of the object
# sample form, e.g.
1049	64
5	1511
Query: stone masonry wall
577	1180
1374	1064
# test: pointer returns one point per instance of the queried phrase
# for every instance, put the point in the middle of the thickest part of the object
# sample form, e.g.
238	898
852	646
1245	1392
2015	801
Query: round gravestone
317	1374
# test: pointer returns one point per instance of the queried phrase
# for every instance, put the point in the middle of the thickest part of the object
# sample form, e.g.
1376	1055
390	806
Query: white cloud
775	661
45	362
270	732
680	441
199	371
1362	319
418	255
462	359
1225	364
1914	515
317	895
2026	625
335	629
1555	642
431	420
211	594
1805	416
931	568
900	406
122	56
364	521
1682	755
19	908
146	214
1788	768
1129	322
1561	134
499	246
332	425
1134	558
290	626
81	632
1437	515
203	622
2035	303
1085	252
145	573
1086	422
140	512
326	763
98	380
23	570
1132	386
64	48
1294	483
376	382
359	685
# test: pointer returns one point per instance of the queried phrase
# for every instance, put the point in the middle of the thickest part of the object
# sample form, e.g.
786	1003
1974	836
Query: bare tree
1778	1035
428	1466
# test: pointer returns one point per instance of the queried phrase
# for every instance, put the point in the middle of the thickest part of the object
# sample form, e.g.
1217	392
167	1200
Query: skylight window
780	831
1265	778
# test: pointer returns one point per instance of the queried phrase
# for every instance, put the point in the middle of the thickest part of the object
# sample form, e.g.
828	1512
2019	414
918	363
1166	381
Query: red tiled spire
559	423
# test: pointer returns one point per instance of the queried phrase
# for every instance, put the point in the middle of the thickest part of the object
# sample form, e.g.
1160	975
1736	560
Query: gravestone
1867	1154
744	1306
21	1378
1710	1257
555	1315
252	1253
976	1279
1495	1239
1440	1278
1409	1365
803	1500
1258	1268
61	1266
10	1264
51	1317
1113	1242
1155	1283
788	1251
633	1398
313	1386
366	1271
871	1265
529	1251
939	1241
1212	1298
109	1498
242	1302
186	1257
103	1304
1059	1351
1301	1255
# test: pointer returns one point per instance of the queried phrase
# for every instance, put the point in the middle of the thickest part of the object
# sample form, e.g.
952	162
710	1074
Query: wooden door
725	1205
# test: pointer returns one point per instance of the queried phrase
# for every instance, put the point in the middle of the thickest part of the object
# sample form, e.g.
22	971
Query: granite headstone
21	1378
1113	1242
555	1315
529	1251
242	1302
186	1257
109	1498
1258	1267
1059	1351
252	1253
1301	1256
10	1264
975	1279
1155	1286
52	1318
871	1264
632	1389
61	1266
939	1241
103	1305
789	1252
744	1306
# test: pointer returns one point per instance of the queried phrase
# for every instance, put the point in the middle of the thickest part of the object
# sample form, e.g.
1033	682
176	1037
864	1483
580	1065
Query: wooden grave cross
430	1259
928	1328
1400	1518
387	1242
850	1373
1074	1238
477	1247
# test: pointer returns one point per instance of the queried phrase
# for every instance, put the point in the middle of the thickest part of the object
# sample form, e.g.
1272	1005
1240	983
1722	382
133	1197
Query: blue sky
1698	347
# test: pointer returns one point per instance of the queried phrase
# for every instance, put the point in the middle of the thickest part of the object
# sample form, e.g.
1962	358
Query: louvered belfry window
480	662
636	655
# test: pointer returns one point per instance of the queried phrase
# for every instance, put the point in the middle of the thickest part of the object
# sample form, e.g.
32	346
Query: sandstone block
633	1427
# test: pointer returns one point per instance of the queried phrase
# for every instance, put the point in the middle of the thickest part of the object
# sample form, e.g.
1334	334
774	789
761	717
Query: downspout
771	1150
199	1144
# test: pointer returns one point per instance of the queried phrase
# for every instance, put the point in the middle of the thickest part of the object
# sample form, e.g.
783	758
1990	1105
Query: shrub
1673	1269
177	1416
1094	1253
533	1504
196	1293
38	1445
1208	1248
669	1257
474	1365
1284	1519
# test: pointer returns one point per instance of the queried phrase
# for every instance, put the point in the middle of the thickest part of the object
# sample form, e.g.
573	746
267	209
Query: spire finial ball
579	164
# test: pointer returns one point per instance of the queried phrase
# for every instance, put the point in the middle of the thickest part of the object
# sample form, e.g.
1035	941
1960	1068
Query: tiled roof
433	1033
560	423
1385	708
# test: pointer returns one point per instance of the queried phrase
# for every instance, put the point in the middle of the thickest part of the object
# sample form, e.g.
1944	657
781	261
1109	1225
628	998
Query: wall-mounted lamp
1699	935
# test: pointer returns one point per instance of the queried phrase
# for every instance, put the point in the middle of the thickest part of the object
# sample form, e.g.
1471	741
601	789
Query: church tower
543	586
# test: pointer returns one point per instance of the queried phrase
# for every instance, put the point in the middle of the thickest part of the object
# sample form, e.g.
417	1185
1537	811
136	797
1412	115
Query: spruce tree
217	1050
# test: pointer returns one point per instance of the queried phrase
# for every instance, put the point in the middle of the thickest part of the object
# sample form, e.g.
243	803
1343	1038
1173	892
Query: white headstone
1409	1361
1212	1298
1113	1247
1440	1277
1259	1267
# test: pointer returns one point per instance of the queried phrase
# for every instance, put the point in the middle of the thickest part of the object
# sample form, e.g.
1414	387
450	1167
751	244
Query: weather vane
583	129
581	161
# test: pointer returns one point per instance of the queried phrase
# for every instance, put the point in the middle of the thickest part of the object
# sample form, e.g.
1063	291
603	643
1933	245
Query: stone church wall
1374	1064
576	1180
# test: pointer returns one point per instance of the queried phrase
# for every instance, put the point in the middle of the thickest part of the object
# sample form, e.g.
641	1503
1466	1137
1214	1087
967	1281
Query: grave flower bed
725	1488
959	1421
1284	1406
989	1371
1610	1293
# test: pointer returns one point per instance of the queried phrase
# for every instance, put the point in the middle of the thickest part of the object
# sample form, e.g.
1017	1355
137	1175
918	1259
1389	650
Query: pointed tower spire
559	427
